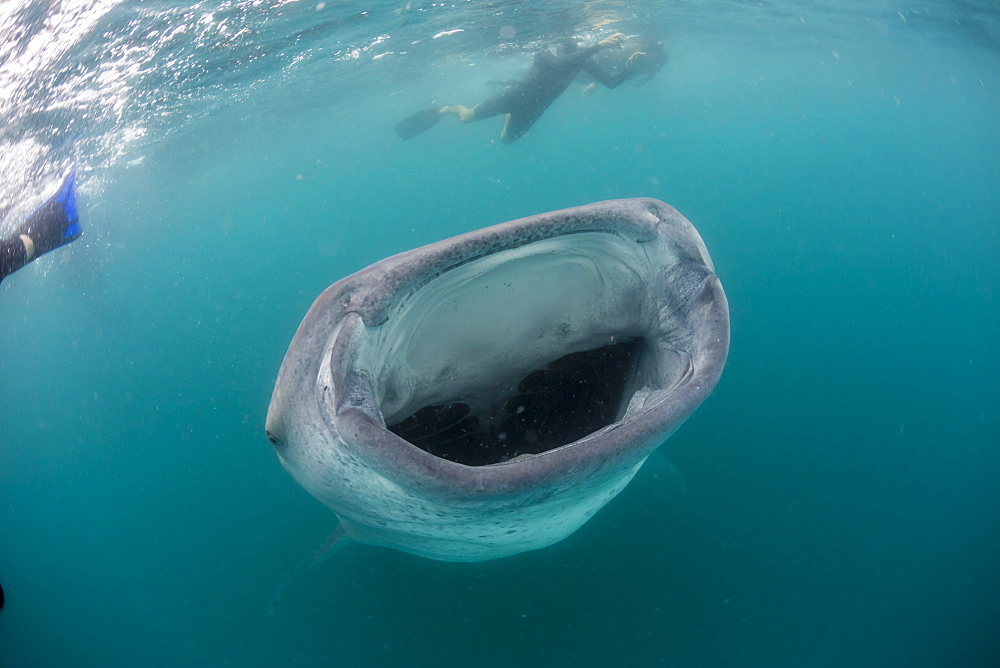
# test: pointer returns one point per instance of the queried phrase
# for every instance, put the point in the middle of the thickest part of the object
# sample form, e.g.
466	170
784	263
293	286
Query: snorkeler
524	101
52	225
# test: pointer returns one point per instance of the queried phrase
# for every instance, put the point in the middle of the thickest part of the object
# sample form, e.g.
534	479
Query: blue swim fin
57	221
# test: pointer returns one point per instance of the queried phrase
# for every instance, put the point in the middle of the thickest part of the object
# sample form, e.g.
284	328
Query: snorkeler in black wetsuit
524	101
52	225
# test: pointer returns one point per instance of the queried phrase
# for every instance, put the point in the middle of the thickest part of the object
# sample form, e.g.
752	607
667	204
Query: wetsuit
550	75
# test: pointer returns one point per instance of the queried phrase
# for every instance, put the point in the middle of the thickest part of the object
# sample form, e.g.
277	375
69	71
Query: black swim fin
412	125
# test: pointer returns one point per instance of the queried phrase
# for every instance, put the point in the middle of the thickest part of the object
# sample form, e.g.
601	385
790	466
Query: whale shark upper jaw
487	394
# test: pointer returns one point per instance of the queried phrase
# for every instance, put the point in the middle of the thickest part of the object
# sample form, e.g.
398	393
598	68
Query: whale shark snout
487	394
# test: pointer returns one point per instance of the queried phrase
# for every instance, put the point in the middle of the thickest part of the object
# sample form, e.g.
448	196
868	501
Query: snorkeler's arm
612	41
582	55
604	77
588	65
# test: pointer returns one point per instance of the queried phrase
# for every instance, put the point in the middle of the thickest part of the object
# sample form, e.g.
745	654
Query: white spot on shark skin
425	398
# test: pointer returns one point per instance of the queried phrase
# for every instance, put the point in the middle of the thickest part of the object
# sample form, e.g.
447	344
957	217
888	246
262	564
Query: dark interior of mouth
563	401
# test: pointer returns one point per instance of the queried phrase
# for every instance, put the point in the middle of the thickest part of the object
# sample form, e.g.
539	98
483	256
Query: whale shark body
486	395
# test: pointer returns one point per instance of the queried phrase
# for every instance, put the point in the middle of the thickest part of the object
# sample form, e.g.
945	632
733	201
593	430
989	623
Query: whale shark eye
274	439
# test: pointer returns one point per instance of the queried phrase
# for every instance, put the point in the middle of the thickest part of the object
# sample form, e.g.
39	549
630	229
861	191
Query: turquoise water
835	502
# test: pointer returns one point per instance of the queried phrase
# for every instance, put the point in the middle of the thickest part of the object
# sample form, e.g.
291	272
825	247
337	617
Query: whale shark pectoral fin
333	542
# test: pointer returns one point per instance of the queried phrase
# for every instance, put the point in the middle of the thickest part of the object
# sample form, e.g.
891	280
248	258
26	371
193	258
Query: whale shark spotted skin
485	395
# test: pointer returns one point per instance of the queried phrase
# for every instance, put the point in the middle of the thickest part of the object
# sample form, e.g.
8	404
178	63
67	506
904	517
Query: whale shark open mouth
563	401
525	350
486	394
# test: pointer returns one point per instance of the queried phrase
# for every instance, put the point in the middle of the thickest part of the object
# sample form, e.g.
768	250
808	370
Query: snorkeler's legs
425	119
463	114
505	135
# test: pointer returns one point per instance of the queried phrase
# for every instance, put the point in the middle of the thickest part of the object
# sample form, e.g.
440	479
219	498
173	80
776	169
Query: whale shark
486	395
